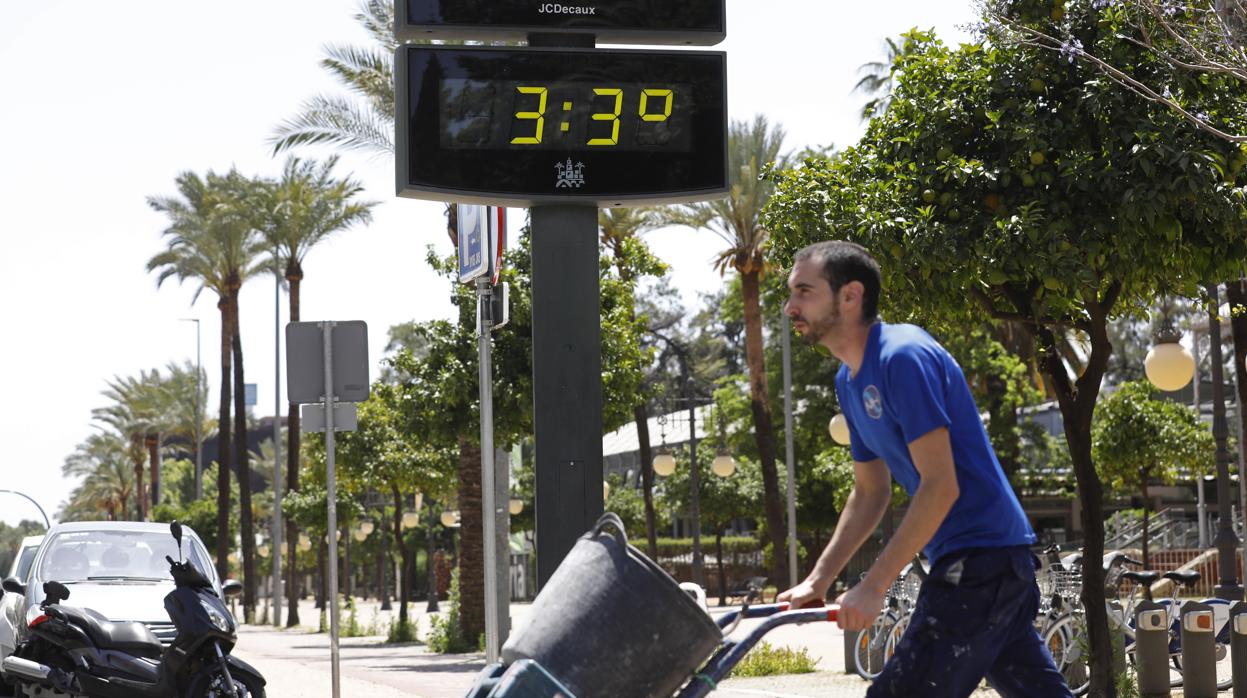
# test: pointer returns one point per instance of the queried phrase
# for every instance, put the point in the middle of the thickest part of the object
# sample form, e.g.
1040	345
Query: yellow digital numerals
538	116
665	95
612	116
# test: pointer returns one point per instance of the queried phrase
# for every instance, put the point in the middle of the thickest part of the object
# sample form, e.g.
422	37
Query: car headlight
218	619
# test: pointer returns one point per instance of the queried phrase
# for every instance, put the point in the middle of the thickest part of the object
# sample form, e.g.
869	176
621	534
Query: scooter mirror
176	529
55	592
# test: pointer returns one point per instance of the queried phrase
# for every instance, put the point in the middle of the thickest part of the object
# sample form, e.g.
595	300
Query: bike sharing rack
1151	646
1238	648
1199	647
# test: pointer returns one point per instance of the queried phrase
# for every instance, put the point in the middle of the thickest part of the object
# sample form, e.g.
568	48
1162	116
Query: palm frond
367	72
336	120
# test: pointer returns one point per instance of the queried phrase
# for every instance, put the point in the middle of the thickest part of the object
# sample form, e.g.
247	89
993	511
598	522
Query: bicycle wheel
869	650
1066	640
894	637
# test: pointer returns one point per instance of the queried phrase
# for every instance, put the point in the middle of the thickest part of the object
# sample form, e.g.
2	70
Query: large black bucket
612	624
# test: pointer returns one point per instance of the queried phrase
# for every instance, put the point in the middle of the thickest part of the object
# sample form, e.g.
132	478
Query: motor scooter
72	652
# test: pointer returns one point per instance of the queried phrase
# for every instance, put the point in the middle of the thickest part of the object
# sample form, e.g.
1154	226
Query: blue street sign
473	237
250	395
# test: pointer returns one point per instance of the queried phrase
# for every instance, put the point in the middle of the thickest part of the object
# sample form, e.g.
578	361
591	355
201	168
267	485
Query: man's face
814	309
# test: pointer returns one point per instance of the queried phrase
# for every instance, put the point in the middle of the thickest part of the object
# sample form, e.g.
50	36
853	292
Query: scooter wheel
210	684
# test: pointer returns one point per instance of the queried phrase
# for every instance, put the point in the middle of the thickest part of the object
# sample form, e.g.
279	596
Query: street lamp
839	429
199	468
606	490
1169	366
515	506
450	518
1226	541
664	463
46	524
367	527
262	550
723	465
305	543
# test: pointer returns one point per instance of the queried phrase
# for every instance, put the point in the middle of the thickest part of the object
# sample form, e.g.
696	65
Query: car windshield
80	556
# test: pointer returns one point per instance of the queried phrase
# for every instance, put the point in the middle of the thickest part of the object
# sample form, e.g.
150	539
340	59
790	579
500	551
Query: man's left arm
932	454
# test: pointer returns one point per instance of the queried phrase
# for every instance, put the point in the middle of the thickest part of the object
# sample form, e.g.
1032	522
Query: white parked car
116	568
11	605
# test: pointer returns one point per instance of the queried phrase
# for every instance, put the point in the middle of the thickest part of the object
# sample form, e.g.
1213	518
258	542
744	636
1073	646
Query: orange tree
1138	439
438	392
1007	181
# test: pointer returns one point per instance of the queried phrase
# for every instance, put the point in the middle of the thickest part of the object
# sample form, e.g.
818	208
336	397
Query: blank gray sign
305	361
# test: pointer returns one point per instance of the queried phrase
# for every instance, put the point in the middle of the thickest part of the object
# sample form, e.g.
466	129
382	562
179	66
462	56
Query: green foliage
401	632
200	515
1140	439
767	660
675	547
446	633
628	503
11	538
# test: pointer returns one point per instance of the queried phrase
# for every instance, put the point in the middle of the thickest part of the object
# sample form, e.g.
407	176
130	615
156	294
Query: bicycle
876	645
1066	641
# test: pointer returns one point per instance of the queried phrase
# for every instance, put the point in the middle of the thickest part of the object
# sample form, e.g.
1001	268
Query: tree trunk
718	551
322	588
764	432
404	586
140	492
647	478
383	561
224	453
430	571
471	542
1147	506
247	532
153	458
1077	402
294	275
1236	295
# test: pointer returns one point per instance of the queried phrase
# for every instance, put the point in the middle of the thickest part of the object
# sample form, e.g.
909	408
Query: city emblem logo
873	402
569	176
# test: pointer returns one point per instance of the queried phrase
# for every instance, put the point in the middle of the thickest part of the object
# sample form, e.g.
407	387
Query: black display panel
521	126
695	22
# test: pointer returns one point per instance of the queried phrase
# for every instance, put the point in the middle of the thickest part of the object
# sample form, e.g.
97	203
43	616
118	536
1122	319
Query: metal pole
493	646
332	527
277	526
694	477
46	523
1201	509
788	452
199	485
1226	541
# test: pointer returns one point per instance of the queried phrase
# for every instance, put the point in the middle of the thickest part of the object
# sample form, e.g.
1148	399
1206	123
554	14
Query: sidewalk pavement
296	661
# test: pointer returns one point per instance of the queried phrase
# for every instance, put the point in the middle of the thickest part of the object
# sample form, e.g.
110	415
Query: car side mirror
13	585
231	587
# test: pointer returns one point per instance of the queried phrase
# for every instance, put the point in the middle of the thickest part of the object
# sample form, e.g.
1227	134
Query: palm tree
302	209
136	414
877	81
621	230
211	242
104	462
365	121
737	220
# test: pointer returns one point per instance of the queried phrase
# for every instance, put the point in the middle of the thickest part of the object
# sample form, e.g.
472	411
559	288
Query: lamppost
1173	369
199	469
46	524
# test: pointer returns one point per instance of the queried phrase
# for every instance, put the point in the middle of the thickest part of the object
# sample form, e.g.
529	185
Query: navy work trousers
974	619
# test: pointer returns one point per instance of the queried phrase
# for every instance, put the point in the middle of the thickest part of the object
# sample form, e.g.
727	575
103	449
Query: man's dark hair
843	262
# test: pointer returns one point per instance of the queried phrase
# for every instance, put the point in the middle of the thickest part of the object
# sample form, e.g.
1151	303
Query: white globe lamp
839	429
664	464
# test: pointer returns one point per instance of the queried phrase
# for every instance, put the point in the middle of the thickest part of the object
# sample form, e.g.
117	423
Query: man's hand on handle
803	595
859	607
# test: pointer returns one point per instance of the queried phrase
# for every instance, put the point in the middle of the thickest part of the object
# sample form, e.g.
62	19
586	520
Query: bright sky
105	103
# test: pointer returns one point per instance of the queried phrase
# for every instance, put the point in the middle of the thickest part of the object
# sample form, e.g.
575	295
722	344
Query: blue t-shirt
907	386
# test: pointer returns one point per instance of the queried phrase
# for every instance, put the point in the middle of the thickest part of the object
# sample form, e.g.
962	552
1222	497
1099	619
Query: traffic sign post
340	352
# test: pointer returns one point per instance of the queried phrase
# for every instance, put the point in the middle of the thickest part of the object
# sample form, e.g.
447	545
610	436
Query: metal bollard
1238	647
1199	659
850	648
1151	647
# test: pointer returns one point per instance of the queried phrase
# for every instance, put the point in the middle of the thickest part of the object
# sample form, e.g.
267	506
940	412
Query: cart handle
770	609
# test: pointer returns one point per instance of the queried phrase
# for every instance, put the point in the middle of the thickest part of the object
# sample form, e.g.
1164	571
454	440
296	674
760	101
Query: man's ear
852	293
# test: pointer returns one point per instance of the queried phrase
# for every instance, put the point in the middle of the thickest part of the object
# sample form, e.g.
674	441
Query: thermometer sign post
563	128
